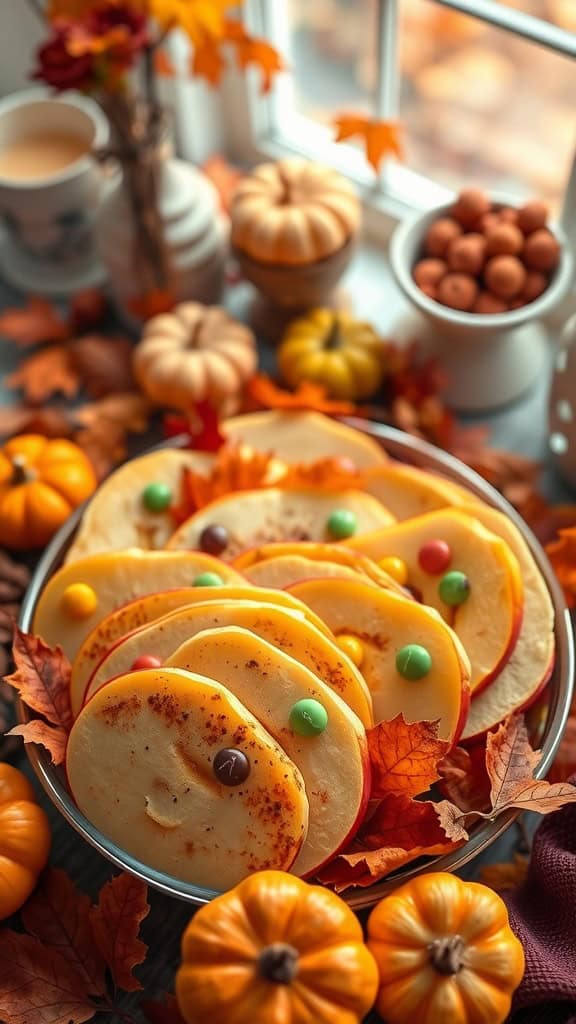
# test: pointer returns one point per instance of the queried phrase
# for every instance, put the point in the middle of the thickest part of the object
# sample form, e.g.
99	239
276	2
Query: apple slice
252	518
385	624
489	618
82	593
285	628
530	665
303	437
153	606
333	553
334	764
287	569
142	764
407	491
116	518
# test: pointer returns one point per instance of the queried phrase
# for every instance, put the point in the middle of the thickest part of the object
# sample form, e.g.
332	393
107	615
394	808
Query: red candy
146	661
434	556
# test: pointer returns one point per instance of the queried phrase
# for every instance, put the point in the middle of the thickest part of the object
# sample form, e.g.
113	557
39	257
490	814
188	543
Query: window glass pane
481	105
559	12
332	52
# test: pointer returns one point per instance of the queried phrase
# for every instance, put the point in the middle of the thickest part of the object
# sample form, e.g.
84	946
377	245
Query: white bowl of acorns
484	271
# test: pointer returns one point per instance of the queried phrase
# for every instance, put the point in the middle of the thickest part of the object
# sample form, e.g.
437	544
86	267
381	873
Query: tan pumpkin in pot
195	353
293	212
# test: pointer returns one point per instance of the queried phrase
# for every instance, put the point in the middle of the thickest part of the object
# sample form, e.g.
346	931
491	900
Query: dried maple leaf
267	395
562	555
464	779
404	757
103	363
399	821
38	984
45	373
86	310
380	138
208	61
53	738
235	469
365	867
506	876
258	53
34	324
333	473
42	678
166	1012
57	913
159	300
510	762
104	426
50	421
122	906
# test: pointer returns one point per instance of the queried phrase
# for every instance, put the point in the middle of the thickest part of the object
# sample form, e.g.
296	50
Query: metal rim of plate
409	450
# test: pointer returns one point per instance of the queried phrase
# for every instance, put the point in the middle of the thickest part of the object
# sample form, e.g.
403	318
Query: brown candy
532	215
470	205
487	302
541	250
439	236
214	539
458	291
231	767
429	271
505	276
467	254
504	240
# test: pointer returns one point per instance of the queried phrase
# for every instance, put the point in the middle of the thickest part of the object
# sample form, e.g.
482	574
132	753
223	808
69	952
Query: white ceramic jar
562	411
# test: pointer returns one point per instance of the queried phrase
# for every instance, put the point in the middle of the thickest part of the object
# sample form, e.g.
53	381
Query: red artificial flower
116	34
61	69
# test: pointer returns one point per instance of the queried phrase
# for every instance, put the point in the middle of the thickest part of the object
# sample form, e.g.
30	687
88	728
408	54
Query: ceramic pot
562	412
489	359
194	237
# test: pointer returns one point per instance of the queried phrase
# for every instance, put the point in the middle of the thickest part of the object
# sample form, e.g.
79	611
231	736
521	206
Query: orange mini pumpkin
445	952
41	482
275	950
24	840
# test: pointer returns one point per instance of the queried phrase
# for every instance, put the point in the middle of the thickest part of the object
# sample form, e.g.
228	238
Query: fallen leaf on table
45	373
464	779
380	138
86	310
267	395
402	822
506	876
103	363
33	324
116	920
42	678
50	421
562	555
38	984
404	757
166	1012
103	427
53	738
57	913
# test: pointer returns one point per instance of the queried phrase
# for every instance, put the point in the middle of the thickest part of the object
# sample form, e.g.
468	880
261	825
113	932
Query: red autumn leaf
506	876
166	1012
380	138
103	363
562	555
45	373
38	984
122	906
86	310
402	822
159	300
52	737
35	323
464	779
307	395
235	469
404	757
57	913
42	678
204	428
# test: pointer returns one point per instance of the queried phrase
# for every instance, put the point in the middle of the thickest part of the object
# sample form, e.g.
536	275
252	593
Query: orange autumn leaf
159	300
38	984
52	737
267	395
402	822
116	920
235	469
562	555
163	66
331	472
42	678
57	914
464	779
506	876
35	323
45	373
381	138
366	867
511	762
103	363
207	61
404	757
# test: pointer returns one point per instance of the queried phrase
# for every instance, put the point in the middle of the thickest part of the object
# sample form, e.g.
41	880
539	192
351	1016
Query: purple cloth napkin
543	916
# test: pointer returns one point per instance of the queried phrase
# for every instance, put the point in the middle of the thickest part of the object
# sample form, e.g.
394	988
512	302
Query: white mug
46	240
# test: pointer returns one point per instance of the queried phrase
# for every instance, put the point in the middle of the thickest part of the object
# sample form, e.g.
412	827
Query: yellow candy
351	646
396	568
79	601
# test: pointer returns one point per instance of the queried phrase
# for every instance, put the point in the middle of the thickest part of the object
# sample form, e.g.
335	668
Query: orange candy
458	291
541	250
439	236
505	276
467	254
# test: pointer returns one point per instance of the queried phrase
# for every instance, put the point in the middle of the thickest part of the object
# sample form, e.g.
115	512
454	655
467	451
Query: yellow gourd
333	349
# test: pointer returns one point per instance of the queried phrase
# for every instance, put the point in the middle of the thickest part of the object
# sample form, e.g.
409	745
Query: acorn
532	215
458	291
439	236
487	302
505	276
429	271
470	205
535	284
541	250
467	254
504	240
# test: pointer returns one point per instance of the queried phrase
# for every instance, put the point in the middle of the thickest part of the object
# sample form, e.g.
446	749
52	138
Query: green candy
308	717
208	579
454	588
342	523
413	662
157	497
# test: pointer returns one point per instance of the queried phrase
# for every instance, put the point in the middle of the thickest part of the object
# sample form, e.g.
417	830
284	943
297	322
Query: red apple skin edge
512	641
472	740
462	717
